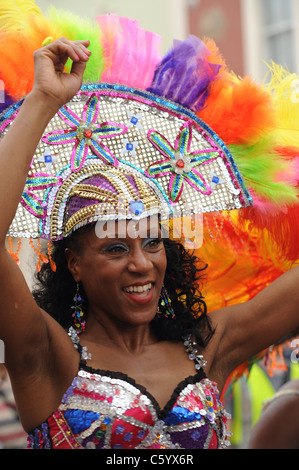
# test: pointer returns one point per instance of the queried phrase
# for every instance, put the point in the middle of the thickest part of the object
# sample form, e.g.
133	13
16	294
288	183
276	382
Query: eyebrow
120	229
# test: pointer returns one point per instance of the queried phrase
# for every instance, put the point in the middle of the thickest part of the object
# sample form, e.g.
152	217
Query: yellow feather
14	13
284	87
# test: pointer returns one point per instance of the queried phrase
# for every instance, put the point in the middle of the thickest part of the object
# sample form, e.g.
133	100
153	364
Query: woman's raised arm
249	328
22	325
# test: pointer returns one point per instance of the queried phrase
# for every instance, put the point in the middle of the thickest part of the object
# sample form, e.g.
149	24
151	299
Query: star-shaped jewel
180	162
129	147
47	158
86	133
215	180
134	120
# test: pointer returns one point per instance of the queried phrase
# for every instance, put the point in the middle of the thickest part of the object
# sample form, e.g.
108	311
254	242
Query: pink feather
131	53
265	208
291	174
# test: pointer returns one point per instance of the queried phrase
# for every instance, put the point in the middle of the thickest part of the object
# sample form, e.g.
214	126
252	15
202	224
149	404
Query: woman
122	278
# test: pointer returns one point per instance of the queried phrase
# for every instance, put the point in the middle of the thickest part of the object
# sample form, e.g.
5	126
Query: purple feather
185	74
5	101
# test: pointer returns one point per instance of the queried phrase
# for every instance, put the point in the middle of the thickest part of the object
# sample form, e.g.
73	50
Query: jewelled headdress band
118	131
108	194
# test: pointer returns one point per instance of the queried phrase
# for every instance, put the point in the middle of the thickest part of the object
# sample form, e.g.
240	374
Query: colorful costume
109	410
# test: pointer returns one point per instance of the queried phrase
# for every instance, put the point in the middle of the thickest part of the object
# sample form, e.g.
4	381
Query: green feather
261	166
75	28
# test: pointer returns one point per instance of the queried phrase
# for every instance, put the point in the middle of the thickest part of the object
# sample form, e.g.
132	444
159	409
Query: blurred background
249	33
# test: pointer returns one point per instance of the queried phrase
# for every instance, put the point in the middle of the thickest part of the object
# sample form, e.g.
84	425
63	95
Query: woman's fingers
78	68
77	50
62	49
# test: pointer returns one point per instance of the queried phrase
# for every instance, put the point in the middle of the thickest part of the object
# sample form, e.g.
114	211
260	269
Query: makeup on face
124	275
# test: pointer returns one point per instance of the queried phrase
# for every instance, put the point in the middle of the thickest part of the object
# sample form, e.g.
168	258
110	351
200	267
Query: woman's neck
128	338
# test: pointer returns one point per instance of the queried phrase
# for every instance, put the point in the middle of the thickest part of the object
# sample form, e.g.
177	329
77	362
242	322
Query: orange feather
16	51
234	117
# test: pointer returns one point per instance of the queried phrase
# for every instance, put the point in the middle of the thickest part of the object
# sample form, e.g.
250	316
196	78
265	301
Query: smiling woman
115	349
176	267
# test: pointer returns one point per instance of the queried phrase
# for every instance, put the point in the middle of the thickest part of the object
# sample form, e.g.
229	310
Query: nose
139	261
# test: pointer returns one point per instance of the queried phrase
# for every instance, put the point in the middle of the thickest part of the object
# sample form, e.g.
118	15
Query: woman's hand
50	81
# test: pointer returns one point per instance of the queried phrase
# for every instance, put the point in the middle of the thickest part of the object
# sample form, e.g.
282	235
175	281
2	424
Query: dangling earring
78	311
165	307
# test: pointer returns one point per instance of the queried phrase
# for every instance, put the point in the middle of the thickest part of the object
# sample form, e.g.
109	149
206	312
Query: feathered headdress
211	139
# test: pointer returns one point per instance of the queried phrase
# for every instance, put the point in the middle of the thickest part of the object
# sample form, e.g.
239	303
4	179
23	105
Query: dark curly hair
54	291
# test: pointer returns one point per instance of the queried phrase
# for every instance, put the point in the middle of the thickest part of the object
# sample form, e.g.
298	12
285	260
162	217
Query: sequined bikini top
109	410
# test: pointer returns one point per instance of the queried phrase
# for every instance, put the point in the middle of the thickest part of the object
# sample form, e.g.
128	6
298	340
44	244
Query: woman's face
122	275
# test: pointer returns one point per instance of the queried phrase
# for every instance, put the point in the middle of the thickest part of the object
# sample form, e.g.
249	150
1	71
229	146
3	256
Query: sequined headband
164	146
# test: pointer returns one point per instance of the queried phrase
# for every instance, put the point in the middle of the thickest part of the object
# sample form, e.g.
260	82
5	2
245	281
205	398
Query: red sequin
180	163
88	133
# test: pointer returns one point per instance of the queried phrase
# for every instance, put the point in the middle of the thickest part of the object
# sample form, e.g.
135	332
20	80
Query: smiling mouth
138	290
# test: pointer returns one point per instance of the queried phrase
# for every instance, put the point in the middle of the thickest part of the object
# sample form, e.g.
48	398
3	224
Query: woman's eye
152	242
118	248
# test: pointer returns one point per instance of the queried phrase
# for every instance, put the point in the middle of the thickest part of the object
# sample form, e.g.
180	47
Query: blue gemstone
48	158
215	180
130	147
134	120
137	207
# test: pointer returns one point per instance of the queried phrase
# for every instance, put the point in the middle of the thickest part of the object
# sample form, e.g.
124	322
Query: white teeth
138	288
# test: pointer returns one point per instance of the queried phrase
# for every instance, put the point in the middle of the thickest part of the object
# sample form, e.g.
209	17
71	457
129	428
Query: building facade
250	32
